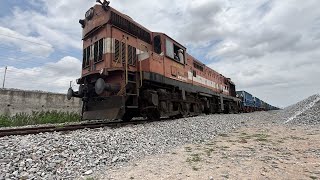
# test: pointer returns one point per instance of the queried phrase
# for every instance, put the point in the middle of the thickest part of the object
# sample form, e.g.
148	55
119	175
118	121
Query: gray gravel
305	112
84	153
309	116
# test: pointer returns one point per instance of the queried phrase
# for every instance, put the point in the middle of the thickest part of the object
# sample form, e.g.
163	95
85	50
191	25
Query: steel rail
71	127
60	128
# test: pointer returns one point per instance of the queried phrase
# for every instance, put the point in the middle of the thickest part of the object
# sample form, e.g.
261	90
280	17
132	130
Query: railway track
73	127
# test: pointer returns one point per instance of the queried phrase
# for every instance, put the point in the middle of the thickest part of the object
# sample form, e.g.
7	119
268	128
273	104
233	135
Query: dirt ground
271	152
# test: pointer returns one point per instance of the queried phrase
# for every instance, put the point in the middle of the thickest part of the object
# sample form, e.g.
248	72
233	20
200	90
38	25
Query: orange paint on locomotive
107	48
156	63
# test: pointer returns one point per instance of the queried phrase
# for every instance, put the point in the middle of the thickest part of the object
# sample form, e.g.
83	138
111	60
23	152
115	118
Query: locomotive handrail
126	63
120	57
140	65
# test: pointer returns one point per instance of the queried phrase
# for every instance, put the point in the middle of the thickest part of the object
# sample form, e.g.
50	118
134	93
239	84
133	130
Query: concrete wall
18	101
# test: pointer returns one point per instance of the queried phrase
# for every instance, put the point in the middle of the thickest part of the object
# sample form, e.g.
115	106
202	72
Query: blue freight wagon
247	99
264	105
250	103
257	102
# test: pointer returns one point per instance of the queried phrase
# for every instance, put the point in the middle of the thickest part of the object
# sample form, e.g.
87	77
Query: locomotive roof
127	18
171	39
141	26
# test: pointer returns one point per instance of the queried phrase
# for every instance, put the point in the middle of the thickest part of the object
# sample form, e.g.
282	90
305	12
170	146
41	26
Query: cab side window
169	49
157	44
174	51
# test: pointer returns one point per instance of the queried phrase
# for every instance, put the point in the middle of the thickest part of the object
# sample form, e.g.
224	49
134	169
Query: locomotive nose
100	86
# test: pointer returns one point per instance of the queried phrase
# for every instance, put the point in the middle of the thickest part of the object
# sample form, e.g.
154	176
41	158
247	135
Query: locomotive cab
110	62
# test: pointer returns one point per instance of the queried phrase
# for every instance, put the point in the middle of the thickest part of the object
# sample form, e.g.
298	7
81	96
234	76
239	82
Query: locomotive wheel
127	117
184	110
153	114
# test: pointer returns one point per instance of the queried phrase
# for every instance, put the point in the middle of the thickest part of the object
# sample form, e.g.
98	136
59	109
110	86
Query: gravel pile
305	112
295	109
86	152
310	115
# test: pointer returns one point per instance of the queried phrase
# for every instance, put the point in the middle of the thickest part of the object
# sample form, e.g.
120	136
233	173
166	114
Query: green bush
43	117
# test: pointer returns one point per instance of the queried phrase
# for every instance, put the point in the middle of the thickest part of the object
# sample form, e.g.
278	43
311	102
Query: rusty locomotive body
129	71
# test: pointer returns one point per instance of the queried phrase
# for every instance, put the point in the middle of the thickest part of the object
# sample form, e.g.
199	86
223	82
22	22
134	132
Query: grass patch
245	136
249	148
223	147
313	177
225	176
229	140
52	117
194	158
243	140
210	144
195	168
188	149
297	138
258	137
209	151
280	141
223	135
261	137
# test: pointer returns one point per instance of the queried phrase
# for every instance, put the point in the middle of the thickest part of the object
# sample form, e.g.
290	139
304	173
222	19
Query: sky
269	48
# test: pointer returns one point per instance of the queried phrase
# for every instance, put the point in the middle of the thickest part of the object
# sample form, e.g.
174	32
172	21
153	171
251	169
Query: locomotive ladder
131	87
132	91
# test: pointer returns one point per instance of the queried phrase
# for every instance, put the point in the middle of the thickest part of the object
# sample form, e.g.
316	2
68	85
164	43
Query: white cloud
269	48
274	56
27	44
58	24
53	77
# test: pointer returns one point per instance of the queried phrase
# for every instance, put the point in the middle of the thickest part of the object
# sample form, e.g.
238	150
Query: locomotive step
132	107
134	82
129	94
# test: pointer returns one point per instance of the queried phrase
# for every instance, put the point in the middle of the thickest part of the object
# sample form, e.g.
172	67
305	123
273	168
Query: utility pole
70	84
4	77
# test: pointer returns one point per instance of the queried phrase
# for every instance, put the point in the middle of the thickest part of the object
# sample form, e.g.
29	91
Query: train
250	103
129	71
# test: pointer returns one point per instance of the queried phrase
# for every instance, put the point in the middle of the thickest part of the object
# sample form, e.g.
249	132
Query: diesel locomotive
129	71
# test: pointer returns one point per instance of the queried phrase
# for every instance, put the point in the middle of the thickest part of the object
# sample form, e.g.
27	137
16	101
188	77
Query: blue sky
6	6
28	59
269	48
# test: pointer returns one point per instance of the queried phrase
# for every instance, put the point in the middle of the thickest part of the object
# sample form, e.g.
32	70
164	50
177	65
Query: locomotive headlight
89	14
82	22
